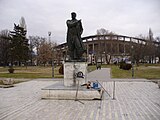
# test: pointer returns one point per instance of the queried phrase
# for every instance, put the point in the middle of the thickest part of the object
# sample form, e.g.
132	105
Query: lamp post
52	64
132	61
52	60
49	37
104	57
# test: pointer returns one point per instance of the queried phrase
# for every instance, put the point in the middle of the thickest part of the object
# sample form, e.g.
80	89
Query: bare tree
43	50
147	51
150	51
45	53
102	51
35	42
103	31
158	48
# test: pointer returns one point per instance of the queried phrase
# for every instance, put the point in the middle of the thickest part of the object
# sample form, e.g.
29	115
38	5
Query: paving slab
133	101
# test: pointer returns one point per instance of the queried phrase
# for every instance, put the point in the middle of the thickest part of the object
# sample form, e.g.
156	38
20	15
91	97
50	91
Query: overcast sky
125	17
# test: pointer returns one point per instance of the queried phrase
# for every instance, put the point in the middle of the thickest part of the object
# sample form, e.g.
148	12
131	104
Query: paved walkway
134	101
100	75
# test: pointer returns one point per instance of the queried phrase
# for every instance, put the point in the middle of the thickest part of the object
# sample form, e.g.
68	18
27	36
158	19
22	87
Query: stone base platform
60	92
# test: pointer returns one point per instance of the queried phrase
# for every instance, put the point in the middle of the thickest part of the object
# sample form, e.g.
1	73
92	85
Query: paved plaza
134	100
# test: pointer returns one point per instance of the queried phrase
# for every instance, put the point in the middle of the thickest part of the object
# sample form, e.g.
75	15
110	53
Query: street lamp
52	60
49	36
132	61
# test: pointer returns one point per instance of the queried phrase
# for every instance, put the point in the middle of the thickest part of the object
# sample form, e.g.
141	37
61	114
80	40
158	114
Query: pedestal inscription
70	71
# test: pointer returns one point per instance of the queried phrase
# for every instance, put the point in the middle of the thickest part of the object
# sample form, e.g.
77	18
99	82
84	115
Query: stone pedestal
70	71
71	88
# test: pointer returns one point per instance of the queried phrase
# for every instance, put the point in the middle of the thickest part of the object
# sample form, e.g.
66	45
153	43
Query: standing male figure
74	41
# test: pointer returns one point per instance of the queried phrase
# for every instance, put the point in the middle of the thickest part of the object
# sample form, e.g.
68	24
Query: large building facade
110	48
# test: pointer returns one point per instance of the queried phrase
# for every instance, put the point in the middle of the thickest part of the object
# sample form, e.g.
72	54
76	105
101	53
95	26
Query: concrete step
60	92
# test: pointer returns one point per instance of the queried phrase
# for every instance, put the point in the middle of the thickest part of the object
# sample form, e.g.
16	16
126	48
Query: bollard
159	83
114	90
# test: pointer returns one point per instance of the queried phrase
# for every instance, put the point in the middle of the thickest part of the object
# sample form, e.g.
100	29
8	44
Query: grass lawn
143	71
30	72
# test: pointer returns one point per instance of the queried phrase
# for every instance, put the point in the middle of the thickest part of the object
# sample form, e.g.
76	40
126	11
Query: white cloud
126	17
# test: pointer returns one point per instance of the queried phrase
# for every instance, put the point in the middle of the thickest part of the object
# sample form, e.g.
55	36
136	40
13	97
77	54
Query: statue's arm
81	28
71	23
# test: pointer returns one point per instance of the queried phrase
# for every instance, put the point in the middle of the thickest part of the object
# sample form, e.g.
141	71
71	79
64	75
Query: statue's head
73	15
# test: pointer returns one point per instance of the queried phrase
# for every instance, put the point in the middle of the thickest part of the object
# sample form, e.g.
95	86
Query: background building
111	48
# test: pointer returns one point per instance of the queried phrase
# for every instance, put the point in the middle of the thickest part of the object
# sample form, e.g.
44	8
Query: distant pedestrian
98	65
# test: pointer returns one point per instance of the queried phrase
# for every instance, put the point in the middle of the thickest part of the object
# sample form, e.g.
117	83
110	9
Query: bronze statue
74	41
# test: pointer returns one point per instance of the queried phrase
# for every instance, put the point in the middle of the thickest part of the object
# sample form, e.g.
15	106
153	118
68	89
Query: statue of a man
74	41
